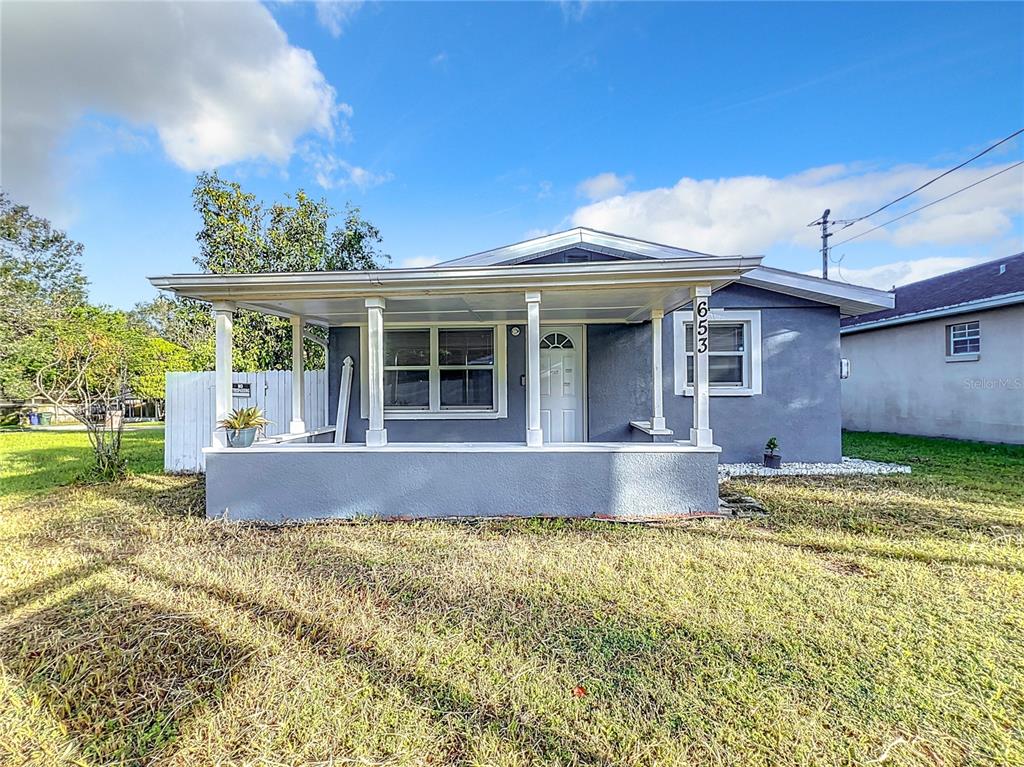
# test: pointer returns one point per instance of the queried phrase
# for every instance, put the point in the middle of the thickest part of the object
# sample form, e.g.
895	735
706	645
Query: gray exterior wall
900	380
800	403
315	483
800	399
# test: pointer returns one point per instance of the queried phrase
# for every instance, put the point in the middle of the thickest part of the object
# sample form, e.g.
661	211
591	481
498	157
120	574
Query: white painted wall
900	380
191	407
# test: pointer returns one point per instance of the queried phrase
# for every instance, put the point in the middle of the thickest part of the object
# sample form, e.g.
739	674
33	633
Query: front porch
326	476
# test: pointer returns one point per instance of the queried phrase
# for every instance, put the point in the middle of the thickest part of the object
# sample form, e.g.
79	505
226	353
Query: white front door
561	383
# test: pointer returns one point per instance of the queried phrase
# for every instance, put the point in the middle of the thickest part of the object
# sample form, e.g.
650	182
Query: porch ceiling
614	291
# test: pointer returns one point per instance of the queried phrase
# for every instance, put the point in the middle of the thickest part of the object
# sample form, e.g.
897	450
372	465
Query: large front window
436	370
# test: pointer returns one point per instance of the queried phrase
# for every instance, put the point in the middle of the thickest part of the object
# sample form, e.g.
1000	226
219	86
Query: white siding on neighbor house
901	382
190	410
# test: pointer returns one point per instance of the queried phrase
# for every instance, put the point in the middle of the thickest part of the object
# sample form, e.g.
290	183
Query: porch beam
700	434
223	312
376	434
298	422
534	435
657	384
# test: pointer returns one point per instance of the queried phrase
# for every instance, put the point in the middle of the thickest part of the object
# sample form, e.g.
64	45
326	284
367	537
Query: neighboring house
548	377
946	361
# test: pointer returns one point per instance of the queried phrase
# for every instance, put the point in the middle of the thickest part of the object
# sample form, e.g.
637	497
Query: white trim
944	311
223	397
534	434
677	446
752	319
581	237
647	428
657	422
376	433
700	432
500	409
298	423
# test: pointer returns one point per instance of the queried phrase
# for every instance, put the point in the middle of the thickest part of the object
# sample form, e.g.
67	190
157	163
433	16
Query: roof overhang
968	307
851	299
619	291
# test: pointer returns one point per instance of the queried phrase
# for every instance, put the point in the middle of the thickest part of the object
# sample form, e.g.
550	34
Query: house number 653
702	326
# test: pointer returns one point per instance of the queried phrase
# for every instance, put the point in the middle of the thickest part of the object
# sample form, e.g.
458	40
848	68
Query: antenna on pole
823	222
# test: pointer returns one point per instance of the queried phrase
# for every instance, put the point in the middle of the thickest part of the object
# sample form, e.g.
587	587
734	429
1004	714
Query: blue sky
459	127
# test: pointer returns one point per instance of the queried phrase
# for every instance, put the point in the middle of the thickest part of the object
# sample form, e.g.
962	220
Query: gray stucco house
577	374
947	360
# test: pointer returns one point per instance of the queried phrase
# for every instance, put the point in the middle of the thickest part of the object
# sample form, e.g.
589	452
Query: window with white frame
442	372
963	339
734	353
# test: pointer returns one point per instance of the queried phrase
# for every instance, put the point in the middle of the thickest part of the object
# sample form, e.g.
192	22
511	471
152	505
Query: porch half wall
302	482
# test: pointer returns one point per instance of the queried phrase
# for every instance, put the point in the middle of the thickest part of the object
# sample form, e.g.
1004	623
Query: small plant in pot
771	459
243	425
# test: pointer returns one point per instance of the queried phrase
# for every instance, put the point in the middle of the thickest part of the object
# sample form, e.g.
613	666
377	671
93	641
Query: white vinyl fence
190	409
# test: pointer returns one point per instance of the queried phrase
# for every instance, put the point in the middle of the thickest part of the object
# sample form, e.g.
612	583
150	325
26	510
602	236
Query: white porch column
376	434
298	422
700	434
534	435
223	312
657	384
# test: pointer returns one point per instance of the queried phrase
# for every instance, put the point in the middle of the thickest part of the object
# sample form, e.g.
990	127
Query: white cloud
602	186
574	10
544	189
755	214
439	59
332	172
414	262
217	82
335	15
885	276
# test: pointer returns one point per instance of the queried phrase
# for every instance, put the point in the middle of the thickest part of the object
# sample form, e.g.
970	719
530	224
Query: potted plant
771	460
242	425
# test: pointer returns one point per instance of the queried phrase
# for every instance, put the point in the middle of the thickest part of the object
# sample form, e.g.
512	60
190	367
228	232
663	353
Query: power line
928	205
851	222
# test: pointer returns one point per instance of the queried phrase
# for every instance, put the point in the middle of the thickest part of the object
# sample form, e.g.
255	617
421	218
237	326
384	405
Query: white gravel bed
848	466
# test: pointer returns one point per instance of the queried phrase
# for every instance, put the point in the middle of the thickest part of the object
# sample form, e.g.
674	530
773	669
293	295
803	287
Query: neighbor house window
963	339
734	352
442	372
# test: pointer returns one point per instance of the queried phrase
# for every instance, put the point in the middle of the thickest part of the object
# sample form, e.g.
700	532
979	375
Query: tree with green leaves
240	236
40	277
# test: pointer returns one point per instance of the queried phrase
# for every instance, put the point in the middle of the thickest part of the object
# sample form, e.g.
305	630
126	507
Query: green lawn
31	461
865	621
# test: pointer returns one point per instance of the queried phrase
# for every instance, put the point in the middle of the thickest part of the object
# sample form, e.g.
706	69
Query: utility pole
823	222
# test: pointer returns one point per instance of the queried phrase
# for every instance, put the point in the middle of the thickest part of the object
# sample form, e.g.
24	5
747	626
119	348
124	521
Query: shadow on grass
123	676
11	601
445	703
